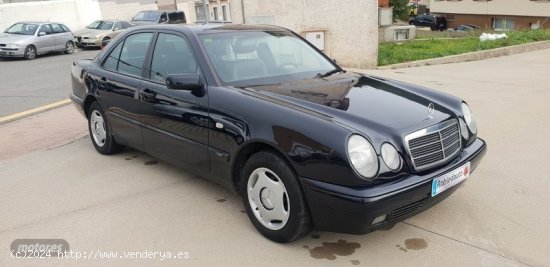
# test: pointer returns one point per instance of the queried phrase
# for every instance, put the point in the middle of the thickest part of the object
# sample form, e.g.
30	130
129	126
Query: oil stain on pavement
221	200
151	162
355	262
329	250
413	244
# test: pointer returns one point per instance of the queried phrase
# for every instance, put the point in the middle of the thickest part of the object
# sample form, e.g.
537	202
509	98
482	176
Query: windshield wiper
328	73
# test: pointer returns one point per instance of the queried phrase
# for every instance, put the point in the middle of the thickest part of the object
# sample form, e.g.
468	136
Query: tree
401	9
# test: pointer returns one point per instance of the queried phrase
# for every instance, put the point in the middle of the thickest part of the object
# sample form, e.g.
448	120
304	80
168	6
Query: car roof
212	28
40	22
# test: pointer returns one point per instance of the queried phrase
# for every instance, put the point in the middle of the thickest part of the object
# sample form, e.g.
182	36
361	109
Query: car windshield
100	25
22	28
264	57
147	16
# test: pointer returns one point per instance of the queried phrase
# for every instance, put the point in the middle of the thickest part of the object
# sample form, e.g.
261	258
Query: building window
215	10
200	13
503	24
224	13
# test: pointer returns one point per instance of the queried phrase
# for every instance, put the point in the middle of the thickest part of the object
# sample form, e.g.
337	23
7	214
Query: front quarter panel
312	143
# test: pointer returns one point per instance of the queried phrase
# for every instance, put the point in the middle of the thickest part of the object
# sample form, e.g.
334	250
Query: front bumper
352	210
81	42
78	103
12	52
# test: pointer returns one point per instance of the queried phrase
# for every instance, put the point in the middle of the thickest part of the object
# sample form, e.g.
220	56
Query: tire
276	206
100	131
69	47
103	41
30	52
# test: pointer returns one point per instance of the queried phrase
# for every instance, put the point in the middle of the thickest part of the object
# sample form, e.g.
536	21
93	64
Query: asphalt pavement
27	84
132	202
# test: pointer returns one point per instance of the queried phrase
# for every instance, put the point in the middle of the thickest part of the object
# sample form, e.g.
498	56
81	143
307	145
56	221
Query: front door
175	122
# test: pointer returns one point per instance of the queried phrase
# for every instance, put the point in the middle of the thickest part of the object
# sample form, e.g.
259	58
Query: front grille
2	45
408	209
434	145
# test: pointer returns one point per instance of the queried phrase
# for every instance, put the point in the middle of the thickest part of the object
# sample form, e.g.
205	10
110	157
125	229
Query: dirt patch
329	250
413	244
151	162
416	243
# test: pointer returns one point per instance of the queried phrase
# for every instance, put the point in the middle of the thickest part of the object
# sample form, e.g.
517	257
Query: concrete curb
472	56
34	111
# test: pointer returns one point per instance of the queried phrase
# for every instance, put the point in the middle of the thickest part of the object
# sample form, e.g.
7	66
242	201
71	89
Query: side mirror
188	82
41	33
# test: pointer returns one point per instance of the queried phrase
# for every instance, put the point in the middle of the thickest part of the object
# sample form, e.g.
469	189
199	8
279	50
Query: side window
126	25
111	63
132	56
57	28
129	56
46	28
163	17
172	55
65	28
118	26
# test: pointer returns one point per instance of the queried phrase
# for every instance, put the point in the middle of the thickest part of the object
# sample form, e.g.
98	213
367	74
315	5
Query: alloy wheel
97	126
268	198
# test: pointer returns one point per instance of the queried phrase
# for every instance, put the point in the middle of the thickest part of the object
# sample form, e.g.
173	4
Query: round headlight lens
469	117
390	156
362	156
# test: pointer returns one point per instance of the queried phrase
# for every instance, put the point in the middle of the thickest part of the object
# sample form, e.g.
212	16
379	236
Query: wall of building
125	9
351	26
486	21
73	13
188	7
497	7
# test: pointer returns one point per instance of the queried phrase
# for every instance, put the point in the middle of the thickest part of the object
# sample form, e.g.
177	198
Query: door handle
103	79
147	95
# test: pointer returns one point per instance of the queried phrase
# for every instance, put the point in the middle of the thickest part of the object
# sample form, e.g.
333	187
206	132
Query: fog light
379	219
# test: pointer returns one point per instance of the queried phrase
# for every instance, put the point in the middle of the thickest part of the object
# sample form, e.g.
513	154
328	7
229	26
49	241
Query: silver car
99	31
29	39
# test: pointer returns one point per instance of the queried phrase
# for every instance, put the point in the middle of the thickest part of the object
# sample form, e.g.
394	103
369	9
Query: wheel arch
246	151
87	103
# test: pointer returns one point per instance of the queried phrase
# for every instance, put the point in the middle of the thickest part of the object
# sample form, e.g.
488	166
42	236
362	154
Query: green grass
392	53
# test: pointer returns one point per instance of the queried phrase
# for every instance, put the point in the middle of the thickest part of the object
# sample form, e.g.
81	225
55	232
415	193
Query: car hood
371	105
6	38
90	32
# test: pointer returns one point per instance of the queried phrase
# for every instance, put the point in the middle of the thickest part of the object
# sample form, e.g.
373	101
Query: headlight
464	129
11	46
362	156
469	117
390	156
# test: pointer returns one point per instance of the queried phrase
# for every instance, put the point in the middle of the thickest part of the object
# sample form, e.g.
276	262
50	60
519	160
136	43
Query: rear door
60	36
45	43
175	122
119	78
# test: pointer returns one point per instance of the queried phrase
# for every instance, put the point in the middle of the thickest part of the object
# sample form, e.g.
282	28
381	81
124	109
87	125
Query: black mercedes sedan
264	113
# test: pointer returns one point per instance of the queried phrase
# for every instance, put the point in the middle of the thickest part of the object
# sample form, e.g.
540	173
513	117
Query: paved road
28	84
132	202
